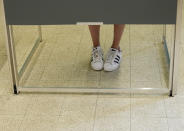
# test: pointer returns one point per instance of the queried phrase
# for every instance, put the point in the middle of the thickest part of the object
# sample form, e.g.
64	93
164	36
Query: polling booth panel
92	12
53	12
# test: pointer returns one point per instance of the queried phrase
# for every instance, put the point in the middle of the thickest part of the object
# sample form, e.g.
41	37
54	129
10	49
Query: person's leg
95	34
97	53
118	31
114	55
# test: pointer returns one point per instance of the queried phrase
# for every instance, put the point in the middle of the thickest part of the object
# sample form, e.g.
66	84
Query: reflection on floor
63	59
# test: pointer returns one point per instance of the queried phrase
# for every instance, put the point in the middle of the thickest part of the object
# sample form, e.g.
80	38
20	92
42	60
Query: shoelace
110	56
96	57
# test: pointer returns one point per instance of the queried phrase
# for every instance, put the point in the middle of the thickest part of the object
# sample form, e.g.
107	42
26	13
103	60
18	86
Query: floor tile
146	84
174	107
77	113
46	105
38	123
149	124
14	105
176	124
10	123
4	84
142	73
147	106
112	114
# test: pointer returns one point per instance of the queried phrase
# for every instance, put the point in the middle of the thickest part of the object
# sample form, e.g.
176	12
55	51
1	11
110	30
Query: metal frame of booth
15	75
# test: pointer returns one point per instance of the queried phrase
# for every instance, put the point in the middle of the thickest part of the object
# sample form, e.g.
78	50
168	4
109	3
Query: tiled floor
63	60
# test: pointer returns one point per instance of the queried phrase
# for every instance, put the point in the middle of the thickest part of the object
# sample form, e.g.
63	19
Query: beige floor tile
147	106
112	124
2	60
122	74
142	46
146	84
83	61
14	105
52	73
145	61
143	56
180	89
8	91
144	73
149	124
4	87
82	75
36	73
69	37
45	49
114	84
39	123
41	61
73	121
72	102
52	83
5	73
46	105
10	123
77	113
3	51
91	83
70	83
112	114
141	35
60	60
29	83
164	79
176	124
174	106
113	107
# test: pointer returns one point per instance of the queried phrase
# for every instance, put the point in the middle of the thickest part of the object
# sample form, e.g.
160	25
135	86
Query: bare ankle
96	45
115	47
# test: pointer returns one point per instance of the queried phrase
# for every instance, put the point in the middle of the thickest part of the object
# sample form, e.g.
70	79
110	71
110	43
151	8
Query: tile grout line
94	117
166	114
25	115
62	106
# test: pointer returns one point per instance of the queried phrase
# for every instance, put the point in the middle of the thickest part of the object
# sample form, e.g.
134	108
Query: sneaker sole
111	70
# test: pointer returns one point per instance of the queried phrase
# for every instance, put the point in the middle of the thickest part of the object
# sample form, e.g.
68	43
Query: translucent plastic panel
24	39
63	58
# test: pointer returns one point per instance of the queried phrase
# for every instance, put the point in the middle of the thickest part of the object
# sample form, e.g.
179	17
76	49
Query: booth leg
10	51
174	71
12	57
40	32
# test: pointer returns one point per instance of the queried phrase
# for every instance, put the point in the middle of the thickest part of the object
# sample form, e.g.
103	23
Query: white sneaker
97	58
113	60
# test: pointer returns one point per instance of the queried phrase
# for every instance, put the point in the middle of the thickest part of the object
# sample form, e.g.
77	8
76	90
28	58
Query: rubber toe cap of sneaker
97	66
109	67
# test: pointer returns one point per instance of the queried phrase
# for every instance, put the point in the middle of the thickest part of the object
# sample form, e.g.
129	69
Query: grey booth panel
54	12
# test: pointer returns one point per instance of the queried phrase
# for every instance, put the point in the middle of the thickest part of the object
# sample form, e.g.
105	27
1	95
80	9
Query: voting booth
88	12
